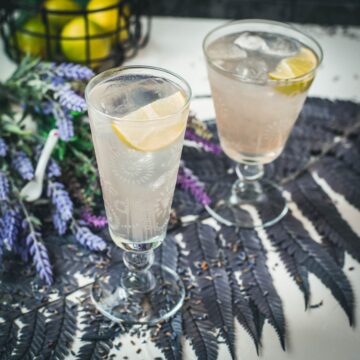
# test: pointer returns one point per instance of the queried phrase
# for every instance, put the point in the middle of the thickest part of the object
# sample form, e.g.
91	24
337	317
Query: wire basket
99	37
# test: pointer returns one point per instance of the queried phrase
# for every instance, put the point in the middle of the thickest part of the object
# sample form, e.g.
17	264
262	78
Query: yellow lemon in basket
59	20
107	19
31	38
74	43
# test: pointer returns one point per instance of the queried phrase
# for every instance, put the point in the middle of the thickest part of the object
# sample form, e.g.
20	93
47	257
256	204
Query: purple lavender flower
4	187
207	145
64	122
3	148
23	165
188	181
97	222
11	227
47	107
53	169
73	71
59	224
70	100
85	237
1	238
40	257
61	199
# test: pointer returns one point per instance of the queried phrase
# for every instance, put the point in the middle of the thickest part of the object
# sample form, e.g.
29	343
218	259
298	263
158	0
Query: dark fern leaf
258	283
8	338
60	328
340	178
348	153
247	256
244	313
167	253
316	205
197	326
95	344
290	236
259	318
298	273
212	278
31	336
168	338
336	251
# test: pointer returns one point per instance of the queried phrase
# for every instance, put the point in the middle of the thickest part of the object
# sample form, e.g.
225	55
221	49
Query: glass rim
269	22
120	69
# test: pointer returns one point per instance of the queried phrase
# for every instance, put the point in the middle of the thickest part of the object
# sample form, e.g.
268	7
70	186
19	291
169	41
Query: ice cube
281	46
251	42
252	69
225	51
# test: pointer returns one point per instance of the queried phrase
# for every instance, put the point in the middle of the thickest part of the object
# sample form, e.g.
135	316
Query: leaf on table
340	178
244	312
61	326
9	333
97	335
167	337
289	235
30	342
198	328
298	273
258	283
167	254
316	205
211	277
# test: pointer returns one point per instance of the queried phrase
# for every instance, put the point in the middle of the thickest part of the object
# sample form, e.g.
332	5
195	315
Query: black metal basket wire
136	21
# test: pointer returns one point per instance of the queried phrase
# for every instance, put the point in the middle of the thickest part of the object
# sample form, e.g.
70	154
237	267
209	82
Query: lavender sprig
4	187
85	237
73	71
3	148
53	169
1	239
40	257
97	222
64	122
22	164
61	200
205	144
60	225
188	181
11	227
70	100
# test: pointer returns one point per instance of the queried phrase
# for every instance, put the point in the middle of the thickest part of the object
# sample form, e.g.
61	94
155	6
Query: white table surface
318	334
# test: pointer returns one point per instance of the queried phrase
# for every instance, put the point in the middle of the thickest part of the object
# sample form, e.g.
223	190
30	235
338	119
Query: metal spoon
33	189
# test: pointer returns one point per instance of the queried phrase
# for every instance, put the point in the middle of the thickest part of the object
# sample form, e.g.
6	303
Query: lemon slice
302	63
133	130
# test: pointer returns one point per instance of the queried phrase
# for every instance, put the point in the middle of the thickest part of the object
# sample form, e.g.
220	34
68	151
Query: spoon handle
51	141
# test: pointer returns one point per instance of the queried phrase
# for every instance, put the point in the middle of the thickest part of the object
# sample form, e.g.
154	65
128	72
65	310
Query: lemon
106	19
34	44
136	134
289	68
75	49
59	20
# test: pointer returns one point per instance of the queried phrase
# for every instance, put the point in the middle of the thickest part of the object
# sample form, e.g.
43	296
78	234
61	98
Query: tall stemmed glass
138	118
259	72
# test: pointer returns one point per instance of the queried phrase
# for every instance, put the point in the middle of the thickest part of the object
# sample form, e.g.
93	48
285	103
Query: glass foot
249	204
160	302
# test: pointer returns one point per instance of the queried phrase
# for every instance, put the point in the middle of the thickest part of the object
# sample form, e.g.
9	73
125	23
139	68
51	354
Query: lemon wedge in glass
166	123
289	68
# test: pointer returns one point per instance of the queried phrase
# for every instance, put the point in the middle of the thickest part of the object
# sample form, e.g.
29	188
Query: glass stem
139	278
247	187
